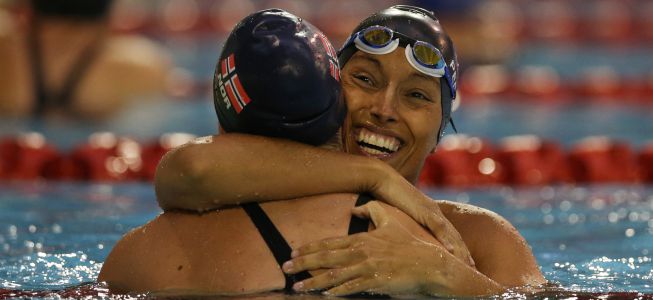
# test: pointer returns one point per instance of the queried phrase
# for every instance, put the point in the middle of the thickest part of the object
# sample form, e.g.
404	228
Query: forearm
233	168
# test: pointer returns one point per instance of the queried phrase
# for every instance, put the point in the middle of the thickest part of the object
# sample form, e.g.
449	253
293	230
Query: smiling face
394	111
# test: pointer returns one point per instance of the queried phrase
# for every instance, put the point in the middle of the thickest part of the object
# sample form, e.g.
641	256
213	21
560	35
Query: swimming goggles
422	56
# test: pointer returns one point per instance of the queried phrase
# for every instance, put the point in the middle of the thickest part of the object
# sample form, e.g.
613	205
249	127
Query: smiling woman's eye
363	78
419	95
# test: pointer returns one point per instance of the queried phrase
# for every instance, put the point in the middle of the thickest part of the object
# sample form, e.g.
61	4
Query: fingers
328	259
355	286
373	211
327	279
440	231
451	240
326	244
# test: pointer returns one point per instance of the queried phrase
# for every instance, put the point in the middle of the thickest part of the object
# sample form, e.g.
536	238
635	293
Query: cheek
425	126
353	97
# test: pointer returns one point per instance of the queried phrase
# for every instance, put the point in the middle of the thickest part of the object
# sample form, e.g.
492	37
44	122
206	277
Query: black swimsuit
46	100
278	245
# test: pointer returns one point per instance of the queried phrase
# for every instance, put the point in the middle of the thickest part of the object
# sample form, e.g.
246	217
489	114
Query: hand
399	193
428	214
388	260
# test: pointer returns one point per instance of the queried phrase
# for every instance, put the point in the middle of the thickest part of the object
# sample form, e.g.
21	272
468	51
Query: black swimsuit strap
281	250
356	224
275	241
45	100
41	96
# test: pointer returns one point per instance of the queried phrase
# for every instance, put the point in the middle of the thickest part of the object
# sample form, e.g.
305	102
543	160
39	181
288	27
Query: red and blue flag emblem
333	62
235	91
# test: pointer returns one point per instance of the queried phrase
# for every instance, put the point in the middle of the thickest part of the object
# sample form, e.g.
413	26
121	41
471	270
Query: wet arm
500	251
228	169
398	257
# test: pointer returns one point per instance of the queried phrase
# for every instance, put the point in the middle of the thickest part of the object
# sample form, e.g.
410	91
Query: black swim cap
278	76
419	24
80	9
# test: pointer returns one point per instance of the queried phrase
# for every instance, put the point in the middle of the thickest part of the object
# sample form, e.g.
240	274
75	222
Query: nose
384	106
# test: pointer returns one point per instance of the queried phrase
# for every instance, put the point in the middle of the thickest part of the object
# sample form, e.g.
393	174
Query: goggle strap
453	125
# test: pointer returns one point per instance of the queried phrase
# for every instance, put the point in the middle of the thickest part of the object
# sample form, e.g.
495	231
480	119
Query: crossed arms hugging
385	111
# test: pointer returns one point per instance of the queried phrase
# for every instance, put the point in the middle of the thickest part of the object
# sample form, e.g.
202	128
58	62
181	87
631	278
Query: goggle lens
377	36
427	54
423	56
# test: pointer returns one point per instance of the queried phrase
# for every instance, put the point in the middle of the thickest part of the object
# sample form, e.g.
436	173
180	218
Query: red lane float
528	160
557	20
601	160
24	157
460	161
153	152
104	157
645	163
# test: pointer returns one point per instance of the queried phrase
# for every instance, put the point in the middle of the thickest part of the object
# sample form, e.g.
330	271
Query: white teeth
386	142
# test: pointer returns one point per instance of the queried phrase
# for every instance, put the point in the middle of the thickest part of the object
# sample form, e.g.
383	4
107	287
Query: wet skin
394	116
388	98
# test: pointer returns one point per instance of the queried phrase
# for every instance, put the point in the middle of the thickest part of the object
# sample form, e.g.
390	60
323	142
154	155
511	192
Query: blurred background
537	77
553	116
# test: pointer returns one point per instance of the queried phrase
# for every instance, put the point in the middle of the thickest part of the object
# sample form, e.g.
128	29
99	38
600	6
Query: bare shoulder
498	249
477	224
138	64
467	215
7	26
137	51
131	267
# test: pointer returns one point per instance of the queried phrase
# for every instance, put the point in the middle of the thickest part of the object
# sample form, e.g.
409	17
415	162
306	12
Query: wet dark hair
78	9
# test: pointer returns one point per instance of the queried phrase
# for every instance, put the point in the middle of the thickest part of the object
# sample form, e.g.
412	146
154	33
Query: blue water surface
589	238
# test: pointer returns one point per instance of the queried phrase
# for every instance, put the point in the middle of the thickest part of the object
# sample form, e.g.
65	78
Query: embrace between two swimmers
276	82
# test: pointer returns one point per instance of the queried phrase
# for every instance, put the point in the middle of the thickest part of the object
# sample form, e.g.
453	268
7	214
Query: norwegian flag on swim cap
279	76
236	94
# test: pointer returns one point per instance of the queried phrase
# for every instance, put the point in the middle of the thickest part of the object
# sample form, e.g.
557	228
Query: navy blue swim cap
422	25
278	76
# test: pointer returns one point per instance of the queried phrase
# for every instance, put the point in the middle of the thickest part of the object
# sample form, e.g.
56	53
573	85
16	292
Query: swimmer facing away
65	63
245	249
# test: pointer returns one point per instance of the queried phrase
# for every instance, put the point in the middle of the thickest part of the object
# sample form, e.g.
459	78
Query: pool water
594	239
